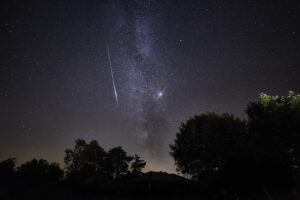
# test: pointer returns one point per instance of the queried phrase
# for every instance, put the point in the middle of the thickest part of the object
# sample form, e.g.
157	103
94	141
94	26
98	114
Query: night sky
171	59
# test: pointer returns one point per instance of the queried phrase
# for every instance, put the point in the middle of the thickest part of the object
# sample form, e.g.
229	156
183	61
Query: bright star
160	94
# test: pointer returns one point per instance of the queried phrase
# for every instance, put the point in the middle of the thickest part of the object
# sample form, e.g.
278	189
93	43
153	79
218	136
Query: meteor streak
111	72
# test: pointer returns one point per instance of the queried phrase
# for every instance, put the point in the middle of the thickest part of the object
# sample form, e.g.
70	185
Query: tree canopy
117	162
274	126
40	171
90	159
137	165
205	141
266	146
85	155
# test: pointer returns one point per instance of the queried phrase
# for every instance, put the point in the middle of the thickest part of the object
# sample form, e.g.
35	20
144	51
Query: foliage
7	172
7	166
85	155
274	126
205	141
262	151
87	160
40	171
137	165
117	162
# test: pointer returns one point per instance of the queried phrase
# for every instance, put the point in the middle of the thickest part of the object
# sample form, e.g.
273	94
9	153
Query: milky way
140	82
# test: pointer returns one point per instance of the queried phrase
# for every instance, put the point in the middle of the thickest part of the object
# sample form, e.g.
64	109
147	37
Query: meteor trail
111	72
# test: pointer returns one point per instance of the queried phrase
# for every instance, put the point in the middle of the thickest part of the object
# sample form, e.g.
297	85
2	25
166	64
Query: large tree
85	156
262	153
274	126
117	162
205	141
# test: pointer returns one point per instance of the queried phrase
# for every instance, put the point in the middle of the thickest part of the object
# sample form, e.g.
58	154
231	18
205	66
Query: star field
196	56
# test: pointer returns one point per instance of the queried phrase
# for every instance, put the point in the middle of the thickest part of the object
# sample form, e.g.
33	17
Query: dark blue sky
56	86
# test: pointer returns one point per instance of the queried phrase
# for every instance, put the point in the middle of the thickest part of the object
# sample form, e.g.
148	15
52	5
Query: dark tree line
87	165
219	151
262	151
27	177
89	162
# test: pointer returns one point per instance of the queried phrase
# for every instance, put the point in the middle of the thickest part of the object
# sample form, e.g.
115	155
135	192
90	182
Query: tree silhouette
7	167
85	164
89	163
205	142
7	174
261	153
274	129
137	165
117	162
274	125
35	172
85	155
